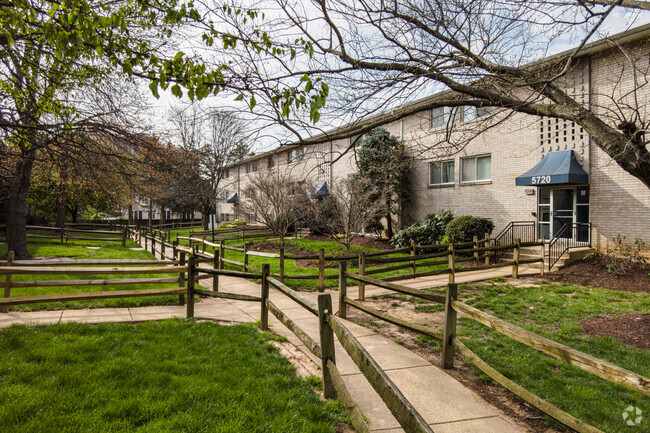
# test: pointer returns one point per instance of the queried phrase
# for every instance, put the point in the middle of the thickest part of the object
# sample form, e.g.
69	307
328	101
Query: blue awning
554	168
233	199
320	191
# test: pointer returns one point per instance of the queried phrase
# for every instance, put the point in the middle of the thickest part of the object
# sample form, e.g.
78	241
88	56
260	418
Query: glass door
562	205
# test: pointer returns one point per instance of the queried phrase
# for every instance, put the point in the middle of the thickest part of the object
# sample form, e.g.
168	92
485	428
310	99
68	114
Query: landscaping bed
601	322
170	376
588	273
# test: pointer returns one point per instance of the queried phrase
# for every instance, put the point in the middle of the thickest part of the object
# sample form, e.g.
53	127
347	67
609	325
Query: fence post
487	245
362	271
10	262
515	266
63	233
412	256
282	264
475	239
181	279
191	271
326	343
146	240
343	289
245	257
264	314
542	252
321	269
203	244
451	255
175	251
162	248
222	254
448	348
215	277
153	244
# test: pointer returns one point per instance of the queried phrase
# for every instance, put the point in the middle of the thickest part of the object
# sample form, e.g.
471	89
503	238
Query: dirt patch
632	329
587	273
430	349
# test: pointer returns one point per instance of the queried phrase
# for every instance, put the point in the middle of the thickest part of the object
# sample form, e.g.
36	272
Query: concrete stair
570	256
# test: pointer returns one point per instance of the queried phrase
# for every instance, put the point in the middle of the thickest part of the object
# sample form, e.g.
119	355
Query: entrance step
570	256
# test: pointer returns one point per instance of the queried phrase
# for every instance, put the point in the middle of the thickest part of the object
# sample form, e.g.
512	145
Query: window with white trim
471	112
441	172
271	161
441	116
476	168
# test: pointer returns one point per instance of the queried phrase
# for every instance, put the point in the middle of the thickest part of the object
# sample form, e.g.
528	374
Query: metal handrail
561	243
526	231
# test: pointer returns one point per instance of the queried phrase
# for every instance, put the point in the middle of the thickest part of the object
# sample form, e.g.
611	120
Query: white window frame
448	116
475	158
271	161
478	112
291	156
442	164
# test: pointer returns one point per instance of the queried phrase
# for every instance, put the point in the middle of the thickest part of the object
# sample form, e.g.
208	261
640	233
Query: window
476	168
296	155
226	173
441	173
271	161
251	167
471	112
442	116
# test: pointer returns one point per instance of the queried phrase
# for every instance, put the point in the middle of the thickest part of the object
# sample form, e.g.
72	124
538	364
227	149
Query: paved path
444	402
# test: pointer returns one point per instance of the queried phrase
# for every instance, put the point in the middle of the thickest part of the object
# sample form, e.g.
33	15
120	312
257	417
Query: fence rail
371	263
134	268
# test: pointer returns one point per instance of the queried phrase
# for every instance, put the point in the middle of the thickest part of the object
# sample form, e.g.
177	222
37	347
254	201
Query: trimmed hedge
464	228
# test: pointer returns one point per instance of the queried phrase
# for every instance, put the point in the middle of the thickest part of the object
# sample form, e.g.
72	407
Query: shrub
464	228
374	227
430	232
621	259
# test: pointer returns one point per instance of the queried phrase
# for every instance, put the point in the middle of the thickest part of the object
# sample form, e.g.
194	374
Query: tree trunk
150	212
163	218
61	203
17	218
130	217
389	225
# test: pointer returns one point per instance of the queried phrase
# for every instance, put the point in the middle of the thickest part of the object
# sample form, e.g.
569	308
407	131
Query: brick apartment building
544	171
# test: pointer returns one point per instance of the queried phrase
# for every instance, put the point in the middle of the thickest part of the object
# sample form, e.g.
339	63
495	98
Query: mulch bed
632	329
587	273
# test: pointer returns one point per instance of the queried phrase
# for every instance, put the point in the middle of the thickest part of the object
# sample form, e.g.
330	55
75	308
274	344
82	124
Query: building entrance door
562	205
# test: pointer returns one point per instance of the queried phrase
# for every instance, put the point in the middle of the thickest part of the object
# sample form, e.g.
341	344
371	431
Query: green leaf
176	91
178	56
239	97
316	116
154	88
253	102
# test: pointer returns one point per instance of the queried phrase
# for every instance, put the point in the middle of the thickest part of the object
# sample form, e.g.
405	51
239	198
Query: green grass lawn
52	248
331	248
556	311
170	376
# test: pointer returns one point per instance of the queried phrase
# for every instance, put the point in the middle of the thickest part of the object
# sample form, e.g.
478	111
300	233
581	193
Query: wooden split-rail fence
68	233
186	266
476	255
